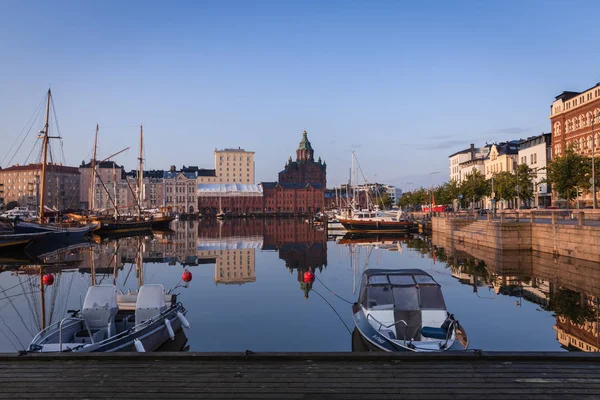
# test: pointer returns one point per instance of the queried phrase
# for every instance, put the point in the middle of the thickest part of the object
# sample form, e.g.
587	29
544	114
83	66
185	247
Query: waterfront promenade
573	234
471	375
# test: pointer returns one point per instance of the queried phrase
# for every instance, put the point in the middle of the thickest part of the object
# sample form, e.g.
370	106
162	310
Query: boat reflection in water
148	319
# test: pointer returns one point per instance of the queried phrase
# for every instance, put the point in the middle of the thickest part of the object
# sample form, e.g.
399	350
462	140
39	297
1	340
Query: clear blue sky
404	84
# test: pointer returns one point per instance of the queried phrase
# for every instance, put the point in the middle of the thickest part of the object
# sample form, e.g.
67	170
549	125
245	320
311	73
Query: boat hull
152	335
162	223
353	225
123	226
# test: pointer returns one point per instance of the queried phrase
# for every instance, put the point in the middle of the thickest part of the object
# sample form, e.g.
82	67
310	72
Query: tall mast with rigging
45	137
140	173
93	184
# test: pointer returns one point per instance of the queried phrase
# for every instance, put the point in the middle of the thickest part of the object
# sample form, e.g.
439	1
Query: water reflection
568	287
249	274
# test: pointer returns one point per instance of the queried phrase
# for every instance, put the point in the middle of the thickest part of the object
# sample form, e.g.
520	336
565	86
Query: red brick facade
571	120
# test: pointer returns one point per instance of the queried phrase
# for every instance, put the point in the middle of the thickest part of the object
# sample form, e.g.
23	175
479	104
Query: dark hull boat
15	241
162	223
123	225
355	225
404	310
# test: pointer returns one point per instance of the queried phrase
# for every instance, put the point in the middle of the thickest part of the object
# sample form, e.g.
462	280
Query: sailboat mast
93	182
45	138
93	266
140	264
115	192
140	173
42	297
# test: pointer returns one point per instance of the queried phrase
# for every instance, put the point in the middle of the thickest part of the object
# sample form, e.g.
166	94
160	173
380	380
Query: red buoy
48	279
309	277
186	276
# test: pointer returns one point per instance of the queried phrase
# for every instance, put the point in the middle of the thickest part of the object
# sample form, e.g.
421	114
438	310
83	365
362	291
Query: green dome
304	143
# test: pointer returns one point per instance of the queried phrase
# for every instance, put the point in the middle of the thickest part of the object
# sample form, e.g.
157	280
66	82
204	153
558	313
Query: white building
234	166
180	191
393	193
462	163
536	152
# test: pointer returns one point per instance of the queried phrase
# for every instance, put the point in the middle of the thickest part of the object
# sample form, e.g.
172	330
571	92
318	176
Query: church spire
305	151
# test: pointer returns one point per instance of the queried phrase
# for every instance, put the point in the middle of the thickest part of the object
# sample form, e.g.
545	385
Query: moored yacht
375	221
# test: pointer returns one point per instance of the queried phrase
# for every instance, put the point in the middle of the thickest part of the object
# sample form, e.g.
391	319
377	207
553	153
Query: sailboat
221	214
123	223
372	219
65	232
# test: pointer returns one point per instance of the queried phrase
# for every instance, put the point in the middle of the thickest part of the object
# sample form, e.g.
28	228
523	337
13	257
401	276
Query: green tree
413	199
524	180
384	201
504	185
475	187
568	173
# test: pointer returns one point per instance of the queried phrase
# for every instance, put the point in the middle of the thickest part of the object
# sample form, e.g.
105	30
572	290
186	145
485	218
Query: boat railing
381	324
60	327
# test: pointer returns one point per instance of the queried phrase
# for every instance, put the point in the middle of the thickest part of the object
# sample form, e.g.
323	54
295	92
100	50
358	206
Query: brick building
297	198
21	183
231	198
571	116
305	169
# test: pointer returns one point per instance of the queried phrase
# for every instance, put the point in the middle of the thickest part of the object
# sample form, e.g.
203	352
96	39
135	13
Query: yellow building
502	157
234	166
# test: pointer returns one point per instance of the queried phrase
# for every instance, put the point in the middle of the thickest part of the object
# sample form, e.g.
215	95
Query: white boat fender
170	329
139	347
183	320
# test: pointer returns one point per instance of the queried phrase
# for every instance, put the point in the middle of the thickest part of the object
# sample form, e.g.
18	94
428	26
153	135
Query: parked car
524	207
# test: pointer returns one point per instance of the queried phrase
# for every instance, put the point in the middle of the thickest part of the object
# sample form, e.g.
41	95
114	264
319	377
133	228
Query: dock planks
300	376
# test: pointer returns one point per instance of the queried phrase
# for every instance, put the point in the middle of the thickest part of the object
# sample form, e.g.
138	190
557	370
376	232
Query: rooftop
38	166
238	150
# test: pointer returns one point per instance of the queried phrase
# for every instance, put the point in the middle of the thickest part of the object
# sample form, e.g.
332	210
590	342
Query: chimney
172	169
472	151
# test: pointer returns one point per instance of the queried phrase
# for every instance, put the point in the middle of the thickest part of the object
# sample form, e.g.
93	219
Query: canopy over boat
411	294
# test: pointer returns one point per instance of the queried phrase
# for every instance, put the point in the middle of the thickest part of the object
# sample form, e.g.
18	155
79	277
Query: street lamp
431	194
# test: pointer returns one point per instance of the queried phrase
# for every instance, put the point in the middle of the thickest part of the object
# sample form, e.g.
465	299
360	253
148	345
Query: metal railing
389	326
60	326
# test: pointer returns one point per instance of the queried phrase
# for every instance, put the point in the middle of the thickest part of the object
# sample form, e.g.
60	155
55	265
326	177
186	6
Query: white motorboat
404	310
22	213
110	322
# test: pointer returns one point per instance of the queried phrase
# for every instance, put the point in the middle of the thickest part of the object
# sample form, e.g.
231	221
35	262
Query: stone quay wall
558	237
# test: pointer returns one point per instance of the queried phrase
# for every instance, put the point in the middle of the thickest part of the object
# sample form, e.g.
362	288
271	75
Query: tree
524	179
505	185
384	201
567	174
413	199
475	187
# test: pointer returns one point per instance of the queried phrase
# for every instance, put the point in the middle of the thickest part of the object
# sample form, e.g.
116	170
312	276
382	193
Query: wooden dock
301	376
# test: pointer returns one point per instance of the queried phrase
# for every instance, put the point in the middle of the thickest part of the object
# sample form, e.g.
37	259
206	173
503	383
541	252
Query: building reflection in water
569	287
231	245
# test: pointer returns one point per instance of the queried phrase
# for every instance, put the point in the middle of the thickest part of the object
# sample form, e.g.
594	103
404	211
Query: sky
403	84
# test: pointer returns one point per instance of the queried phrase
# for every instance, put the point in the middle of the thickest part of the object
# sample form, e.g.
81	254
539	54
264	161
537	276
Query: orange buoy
186	276
48	279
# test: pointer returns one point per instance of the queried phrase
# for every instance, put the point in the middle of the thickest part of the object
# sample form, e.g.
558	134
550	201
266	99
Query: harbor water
248	290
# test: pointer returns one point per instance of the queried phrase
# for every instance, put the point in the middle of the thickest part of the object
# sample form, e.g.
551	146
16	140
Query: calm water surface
248	292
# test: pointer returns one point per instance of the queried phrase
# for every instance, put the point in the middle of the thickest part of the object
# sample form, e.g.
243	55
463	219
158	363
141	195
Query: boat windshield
404	291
